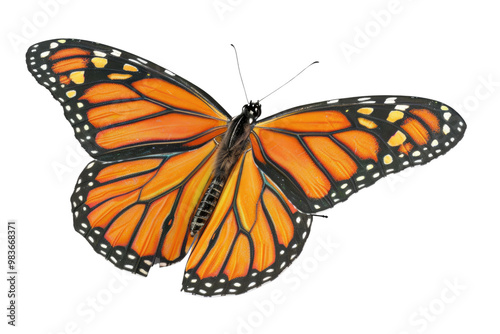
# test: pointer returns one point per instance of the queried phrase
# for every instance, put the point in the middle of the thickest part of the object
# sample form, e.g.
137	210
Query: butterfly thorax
234	142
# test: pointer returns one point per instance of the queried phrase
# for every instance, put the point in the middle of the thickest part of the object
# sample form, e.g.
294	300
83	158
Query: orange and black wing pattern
136	212
123	106
254	233
320	154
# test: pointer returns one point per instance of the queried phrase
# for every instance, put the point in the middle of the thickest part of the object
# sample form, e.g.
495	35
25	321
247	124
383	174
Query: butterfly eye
257	111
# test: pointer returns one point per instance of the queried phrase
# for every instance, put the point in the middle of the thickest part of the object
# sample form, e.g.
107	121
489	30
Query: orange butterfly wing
136	212
322	153
121	105
253	234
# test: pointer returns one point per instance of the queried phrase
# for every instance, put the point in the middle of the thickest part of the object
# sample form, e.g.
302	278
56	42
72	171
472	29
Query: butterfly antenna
296	75
239	71
321	216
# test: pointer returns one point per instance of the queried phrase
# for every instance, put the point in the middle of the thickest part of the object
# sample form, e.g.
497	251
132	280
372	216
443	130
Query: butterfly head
252	110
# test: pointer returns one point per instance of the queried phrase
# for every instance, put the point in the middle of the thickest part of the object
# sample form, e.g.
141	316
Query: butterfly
174	173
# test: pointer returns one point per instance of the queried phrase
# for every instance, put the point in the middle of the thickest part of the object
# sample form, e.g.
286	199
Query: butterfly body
174	173
232	145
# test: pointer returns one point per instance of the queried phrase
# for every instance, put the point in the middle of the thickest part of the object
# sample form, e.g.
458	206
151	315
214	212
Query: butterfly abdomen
207	204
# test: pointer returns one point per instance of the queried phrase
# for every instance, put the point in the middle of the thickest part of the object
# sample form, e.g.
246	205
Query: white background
400	244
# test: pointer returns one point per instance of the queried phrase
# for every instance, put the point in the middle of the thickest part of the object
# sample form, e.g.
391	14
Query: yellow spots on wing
77	77
446	129
118	76
397	139
367	123
71	93
388	159
130	68
444	108
365	111
394	116
99	62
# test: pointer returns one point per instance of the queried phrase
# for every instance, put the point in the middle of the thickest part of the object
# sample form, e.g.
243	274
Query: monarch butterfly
174	172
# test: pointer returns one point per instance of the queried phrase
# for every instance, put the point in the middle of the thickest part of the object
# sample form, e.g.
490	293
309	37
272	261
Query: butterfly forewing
121	105
320	154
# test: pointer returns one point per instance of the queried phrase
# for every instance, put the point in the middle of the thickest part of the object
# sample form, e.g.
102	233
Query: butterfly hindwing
121	105
320	154
253	234
136	212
